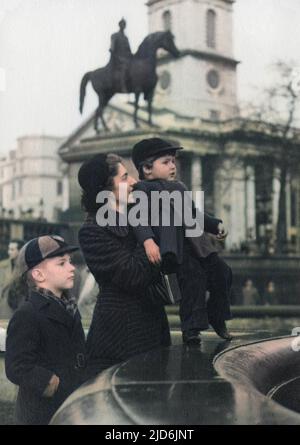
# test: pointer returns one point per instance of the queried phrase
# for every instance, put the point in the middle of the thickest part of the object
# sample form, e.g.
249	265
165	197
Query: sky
47	45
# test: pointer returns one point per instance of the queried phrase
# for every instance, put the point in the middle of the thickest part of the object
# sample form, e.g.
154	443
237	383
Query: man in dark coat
45	345
120	56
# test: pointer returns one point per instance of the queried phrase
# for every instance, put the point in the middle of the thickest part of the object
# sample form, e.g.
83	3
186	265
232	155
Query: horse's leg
136	107
102	104
96	120
149	99
103	121
103	101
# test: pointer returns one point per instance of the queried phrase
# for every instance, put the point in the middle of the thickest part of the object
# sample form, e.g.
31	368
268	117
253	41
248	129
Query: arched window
211	28
167	21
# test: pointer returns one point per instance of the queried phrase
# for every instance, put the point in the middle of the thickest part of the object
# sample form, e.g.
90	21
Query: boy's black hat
41	248
151	147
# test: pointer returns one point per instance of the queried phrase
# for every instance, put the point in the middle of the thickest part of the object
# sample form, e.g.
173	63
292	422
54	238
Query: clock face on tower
213	79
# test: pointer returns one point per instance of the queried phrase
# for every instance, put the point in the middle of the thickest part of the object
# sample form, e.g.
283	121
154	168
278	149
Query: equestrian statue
127	72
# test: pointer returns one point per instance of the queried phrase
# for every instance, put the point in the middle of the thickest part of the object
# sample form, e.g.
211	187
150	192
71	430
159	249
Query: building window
211	28
59	188
213	79
165	80
167	21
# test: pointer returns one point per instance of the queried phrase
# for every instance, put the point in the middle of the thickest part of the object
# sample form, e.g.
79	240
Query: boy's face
56	274
164	168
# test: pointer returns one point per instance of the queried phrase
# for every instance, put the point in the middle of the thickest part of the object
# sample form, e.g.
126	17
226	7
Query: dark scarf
68	302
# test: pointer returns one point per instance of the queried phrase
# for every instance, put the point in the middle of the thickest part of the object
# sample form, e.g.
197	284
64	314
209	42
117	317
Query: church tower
202	82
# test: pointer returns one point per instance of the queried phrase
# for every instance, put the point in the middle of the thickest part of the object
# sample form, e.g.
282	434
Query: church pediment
119	119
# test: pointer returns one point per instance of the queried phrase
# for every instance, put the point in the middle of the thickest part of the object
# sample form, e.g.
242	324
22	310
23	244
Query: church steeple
203	81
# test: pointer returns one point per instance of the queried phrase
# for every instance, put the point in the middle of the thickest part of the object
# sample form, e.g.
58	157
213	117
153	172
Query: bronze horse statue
141	76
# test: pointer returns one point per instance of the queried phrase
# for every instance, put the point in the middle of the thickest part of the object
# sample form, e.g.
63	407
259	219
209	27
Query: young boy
195	260
45	345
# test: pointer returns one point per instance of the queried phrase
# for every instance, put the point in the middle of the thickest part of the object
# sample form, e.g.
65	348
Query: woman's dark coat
125	322
43	339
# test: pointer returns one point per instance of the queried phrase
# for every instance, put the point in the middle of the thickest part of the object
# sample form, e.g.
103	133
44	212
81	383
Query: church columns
276	192
297	216
74	191
250	225
245	195
293	209
196	173
288	191
184	169
264	201
234	200
292	206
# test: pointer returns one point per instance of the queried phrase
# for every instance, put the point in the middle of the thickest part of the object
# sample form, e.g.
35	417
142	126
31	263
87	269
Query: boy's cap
41	248
151	147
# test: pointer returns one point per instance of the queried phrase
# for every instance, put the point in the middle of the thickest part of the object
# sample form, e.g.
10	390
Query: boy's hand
52	386
152	251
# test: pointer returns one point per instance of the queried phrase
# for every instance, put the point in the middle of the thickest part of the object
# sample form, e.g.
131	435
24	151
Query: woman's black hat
93	174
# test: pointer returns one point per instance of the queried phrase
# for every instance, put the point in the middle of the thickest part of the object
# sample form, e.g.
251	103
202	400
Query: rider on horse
120	57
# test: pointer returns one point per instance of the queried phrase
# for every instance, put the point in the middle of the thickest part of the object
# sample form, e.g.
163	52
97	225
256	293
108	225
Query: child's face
56	274
164	168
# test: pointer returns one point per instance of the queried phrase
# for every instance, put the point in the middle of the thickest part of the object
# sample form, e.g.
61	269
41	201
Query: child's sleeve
142	232
21	353
210	223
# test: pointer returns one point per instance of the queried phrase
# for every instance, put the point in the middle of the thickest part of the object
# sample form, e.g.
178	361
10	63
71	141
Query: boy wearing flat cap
195	260
45	345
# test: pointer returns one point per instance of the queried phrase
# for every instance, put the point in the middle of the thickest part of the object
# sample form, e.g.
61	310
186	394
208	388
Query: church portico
231	161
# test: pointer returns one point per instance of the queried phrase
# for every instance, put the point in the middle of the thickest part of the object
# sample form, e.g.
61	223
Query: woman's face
122	185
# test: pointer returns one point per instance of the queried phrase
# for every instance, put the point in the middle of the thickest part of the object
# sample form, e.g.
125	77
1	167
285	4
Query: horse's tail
84	82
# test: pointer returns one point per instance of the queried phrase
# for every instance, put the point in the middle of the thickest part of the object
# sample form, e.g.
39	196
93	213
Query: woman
125	322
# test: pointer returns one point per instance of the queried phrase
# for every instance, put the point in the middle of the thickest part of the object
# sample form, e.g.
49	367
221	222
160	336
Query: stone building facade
32	182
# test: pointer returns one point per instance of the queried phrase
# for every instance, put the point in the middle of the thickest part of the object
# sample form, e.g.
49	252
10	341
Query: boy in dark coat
194	259
45	345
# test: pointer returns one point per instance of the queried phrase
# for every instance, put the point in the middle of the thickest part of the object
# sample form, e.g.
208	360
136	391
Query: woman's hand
152	251
52	386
